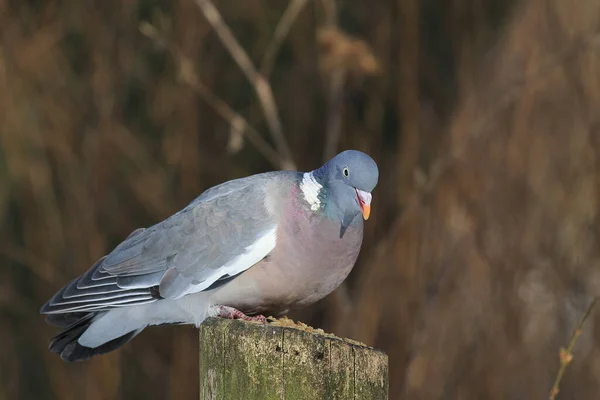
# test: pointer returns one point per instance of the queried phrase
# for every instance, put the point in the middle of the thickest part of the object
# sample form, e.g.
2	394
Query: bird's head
349	179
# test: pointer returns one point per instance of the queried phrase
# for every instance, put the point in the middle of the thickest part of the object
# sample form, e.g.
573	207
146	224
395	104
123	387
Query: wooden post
252	361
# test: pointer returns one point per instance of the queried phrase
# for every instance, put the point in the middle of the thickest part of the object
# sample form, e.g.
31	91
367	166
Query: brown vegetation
481	254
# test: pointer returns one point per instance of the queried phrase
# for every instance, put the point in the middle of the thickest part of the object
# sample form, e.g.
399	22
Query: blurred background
481	253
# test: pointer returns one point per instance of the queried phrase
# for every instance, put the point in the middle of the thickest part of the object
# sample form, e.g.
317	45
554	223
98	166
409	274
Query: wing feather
221	233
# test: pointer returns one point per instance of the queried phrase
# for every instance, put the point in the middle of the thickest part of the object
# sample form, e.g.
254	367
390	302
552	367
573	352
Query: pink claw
233	313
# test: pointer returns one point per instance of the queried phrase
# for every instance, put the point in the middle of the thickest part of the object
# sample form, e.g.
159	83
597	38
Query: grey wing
223	232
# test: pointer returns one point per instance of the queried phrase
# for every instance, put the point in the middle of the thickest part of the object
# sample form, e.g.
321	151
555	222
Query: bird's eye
346	172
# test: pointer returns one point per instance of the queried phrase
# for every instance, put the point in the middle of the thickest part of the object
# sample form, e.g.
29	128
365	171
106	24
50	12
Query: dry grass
481	252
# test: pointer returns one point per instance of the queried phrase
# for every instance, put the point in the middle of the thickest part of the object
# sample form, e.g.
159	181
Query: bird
266	243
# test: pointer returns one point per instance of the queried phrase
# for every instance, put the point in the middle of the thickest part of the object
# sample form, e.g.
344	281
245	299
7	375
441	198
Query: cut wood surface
247	360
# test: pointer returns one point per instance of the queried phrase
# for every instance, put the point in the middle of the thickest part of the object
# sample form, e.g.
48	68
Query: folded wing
223	232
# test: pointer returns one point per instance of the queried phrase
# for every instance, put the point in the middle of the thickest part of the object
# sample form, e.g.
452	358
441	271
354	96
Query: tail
75	324
94	312
100	312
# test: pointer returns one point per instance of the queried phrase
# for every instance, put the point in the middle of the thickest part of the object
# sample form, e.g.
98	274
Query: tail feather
66	342
64	320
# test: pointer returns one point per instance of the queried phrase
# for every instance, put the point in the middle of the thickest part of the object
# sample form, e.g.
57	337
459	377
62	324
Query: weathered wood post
251	361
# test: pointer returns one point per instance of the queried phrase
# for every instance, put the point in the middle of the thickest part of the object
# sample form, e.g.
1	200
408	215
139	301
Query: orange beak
364	200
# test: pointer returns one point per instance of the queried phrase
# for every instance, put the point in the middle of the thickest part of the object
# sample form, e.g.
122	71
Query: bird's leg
233	313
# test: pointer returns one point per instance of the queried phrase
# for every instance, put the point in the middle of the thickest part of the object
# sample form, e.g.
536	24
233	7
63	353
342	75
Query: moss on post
245	360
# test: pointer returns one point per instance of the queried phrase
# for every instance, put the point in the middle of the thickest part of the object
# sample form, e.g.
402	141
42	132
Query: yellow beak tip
366	212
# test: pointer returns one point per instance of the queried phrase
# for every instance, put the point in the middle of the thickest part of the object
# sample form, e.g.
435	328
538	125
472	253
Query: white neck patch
311	189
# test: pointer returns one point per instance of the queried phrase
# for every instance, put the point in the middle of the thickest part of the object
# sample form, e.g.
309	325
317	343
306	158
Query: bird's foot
233	313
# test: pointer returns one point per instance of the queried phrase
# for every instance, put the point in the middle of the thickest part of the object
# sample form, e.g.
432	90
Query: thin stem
261	87
281	31
566	355
335	106
236	120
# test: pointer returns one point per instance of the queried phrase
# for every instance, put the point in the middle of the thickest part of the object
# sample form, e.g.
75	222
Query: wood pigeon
265	243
